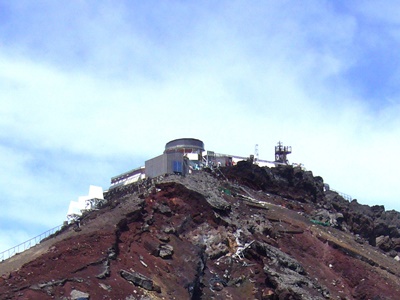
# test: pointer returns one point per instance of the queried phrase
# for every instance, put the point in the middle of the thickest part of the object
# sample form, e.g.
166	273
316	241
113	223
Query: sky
91	89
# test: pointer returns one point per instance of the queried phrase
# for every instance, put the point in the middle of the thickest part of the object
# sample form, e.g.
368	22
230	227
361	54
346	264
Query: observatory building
184	156
179	157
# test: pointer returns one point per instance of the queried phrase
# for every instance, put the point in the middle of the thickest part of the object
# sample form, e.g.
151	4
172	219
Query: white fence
28	244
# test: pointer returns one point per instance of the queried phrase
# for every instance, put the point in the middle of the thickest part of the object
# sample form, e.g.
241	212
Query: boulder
140	280
217	202
326	217
169	229
396	244
384	242
163	209
106	270
165	251
287	277
78	295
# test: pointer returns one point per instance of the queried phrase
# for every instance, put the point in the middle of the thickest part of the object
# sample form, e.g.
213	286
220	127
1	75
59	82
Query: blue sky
90	89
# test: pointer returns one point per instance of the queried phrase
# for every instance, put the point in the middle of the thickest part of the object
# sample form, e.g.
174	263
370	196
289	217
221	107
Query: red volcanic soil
200	237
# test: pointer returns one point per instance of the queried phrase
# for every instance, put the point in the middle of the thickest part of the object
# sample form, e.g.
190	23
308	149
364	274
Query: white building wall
76	207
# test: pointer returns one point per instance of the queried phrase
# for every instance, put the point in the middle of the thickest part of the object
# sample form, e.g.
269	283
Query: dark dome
187	144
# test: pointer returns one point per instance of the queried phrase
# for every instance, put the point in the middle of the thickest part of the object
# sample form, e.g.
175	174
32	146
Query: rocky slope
239	232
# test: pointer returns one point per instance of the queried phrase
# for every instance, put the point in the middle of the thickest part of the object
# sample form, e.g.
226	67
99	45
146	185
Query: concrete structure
185	145
180	157
184	156
167	163
85	202
128	177
212	159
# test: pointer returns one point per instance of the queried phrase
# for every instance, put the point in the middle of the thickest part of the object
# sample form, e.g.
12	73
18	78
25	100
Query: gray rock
106	270
396	244
166	251
258	224
278	257
169	229
112	253
78	295
105	287
217	250
164	209
163	238
384	242
288	276
217	202
331	218
140	280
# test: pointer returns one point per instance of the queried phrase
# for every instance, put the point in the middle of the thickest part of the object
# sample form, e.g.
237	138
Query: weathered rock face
285	181
253	233
367	222
292	183
140	280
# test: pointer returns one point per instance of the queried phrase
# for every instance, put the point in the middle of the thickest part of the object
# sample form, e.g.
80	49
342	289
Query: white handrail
27	244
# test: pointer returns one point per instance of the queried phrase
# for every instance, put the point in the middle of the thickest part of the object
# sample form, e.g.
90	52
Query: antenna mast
281	153
256	154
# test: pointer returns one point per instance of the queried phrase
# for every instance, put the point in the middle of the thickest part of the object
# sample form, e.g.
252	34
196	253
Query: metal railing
28	244
345	196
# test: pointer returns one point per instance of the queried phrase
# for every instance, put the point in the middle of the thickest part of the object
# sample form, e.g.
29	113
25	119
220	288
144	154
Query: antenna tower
256	154
281	153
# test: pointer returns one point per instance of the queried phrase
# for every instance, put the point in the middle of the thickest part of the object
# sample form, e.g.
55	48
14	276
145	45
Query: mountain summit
235	232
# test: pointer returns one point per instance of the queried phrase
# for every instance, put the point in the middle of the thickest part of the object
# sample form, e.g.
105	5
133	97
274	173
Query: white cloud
99	92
